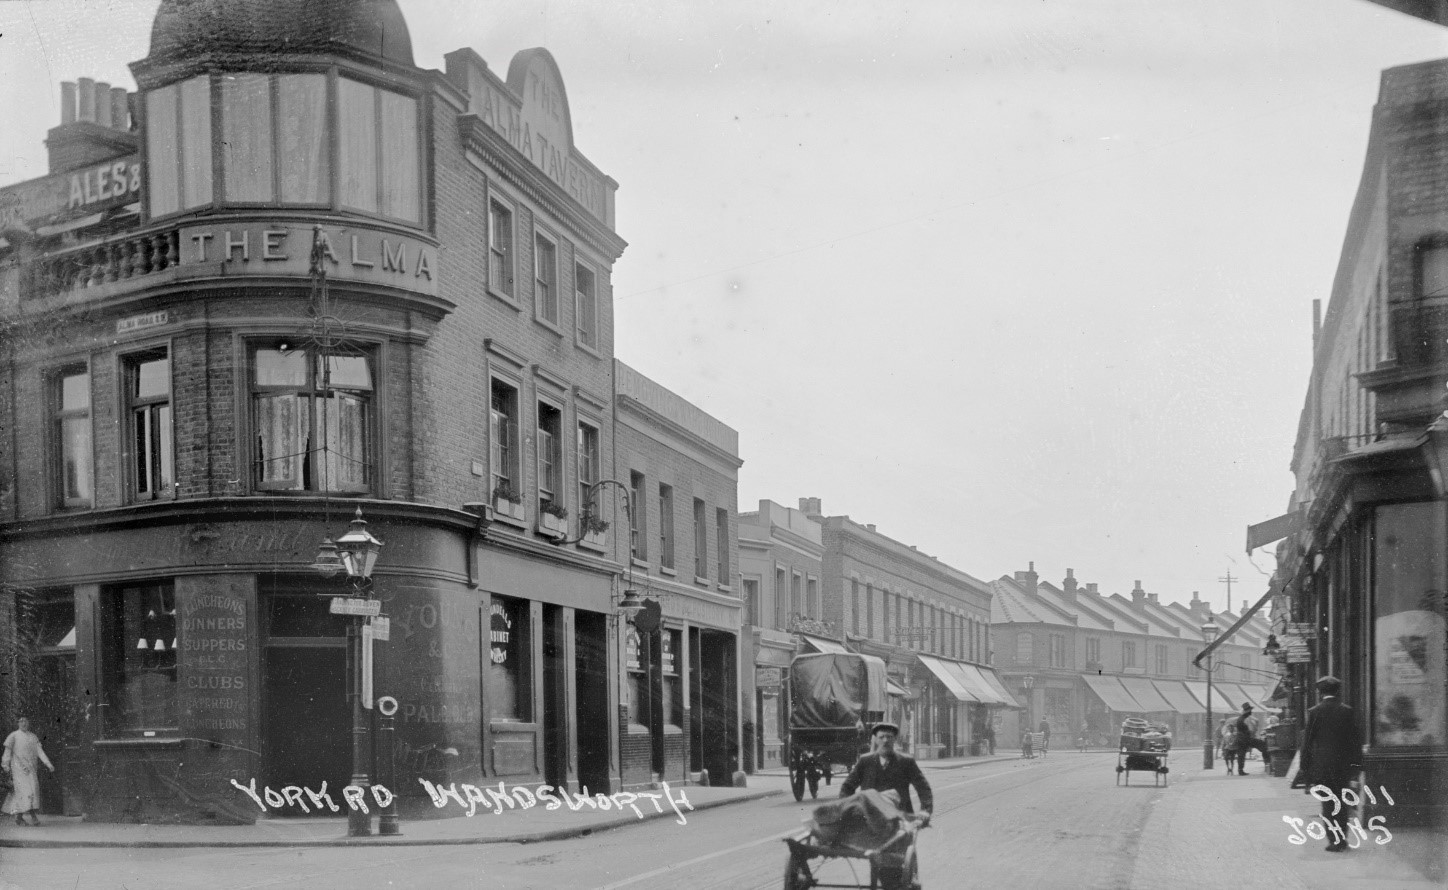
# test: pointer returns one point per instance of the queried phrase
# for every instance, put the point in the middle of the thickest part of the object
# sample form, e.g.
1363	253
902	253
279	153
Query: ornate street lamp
355	554
1209	636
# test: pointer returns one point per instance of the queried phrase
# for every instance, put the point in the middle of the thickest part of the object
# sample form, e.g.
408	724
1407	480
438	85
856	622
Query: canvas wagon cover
835	690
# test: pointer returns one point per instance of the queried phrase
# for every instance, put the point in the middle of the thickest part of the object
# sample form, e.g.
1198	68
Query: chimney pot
86	110
67	102
120	109
103	103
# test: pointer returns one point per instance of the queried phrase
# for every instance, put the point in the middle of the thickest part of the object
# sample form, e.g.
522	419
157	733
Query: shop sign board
348	605
666	654
1303	629
348	253
60	196
381	628
768	677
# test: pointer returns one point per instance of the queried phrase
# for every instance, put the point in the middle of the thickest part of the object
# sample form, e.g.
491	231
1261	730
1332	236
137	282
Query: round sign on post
387	706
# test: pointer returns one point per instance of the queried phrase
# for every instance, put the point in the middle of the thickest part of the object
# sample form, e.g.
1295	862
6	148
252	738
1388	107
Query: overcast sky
1011	280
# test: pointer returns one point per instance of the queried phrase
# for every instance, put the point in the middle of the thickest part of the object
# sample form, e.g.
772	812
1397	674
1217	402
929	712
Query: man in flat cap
1248	740
885	769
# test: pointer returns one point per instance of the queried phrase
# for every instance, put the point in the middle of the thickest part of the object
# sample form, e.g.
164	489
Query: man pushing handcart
873	820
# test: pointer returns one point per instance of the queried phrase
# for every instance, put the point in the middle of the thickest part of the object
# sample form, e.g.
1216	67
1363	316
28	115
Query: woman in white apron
22	756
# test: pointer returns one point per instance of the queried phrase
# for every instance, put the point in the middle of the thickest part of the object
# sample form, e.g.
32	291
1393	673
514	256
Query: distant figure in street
1026	744
1226	743
1045	730
1332	753
1247	740
990	737
22	753
885	769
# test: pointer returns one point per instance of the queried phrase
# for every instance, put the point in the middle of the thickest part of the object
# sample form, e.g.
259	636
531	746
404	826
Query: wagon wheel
797	875
796	781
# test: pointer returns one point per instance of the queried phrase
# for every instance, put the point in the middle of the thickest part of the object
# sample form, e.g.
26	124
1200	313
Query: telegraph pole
1227	580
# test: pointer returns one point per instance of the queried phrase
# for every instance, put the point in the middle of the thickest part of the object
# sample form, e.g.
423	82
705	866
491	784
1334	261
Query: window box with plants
507	502
593	530
553	519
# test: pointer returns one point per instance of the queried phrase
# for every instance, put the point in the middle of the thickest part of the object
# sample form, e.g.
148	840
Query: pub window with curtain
138	658
311	420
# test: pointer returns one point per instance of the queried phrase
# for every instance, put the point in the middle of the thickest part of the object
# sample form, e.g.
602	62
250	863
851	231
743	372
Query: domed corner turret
374	29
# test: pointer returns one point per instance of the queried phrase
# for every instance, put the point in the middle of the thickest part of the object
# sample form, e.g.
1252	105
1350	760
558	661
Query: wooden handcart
893	864
1143	748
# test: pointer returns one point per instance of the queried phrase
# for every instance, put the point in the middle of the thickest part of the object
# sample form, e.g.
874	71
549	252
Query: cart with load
1144	747
834	701
866	826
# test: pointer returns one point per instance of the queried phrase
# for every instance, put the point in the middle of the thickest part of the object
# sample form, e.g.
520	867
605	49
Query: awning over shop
1271	531
1238	696
1179	697
948	679
1220	702
1146	695
999	688
1113	694
829	647
981	685
892	689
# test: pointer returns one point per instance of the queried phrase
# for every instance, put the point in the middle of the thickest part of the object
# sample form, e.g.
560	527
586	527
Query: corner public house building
190	411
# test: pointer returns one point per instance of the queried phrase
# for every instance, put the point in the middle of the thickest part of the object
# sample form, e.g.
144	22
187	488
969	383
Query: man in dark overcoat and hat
885	769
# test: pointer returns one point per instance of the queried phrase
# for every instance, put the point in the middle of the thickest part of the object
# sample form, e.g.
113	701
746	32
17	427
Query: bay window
274	139
281	138
311	420
178	145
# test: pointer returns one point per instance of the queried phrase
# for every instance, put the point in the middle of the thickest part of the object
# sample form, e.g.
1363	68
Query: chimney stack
810	506
95	126
1068	585
1091	589
1138	596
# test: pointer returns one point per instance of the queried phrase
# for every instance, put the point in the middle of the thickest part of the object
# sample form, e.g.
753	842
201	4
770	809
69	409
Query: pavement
1210	822
422	823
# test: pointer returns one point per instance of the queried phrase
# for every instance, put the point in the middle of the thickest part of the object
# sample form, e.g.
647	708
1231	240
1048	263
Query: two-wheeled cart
835	700
893	864
1144	748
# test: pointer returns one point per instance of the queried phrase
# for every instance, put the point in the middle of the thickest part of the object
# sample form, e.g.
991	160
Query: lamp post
1209	635
1029	682
355	553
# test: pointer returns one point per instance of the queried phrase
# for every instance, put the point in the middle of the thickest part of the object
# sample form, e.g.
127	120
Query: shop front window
1408	627
509	685
138	658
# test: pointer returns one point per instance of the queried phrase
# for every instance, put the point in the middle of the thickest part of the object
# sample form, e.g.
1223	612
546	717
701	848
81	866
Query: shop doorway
306	718
49	698
718	706
590	659
555	697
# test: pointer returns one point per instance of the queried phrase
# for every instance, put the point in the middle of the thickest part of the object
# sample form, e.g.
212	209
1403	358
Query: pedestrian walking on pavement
1332	754
990	738
1245	729
1045	730
22	754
